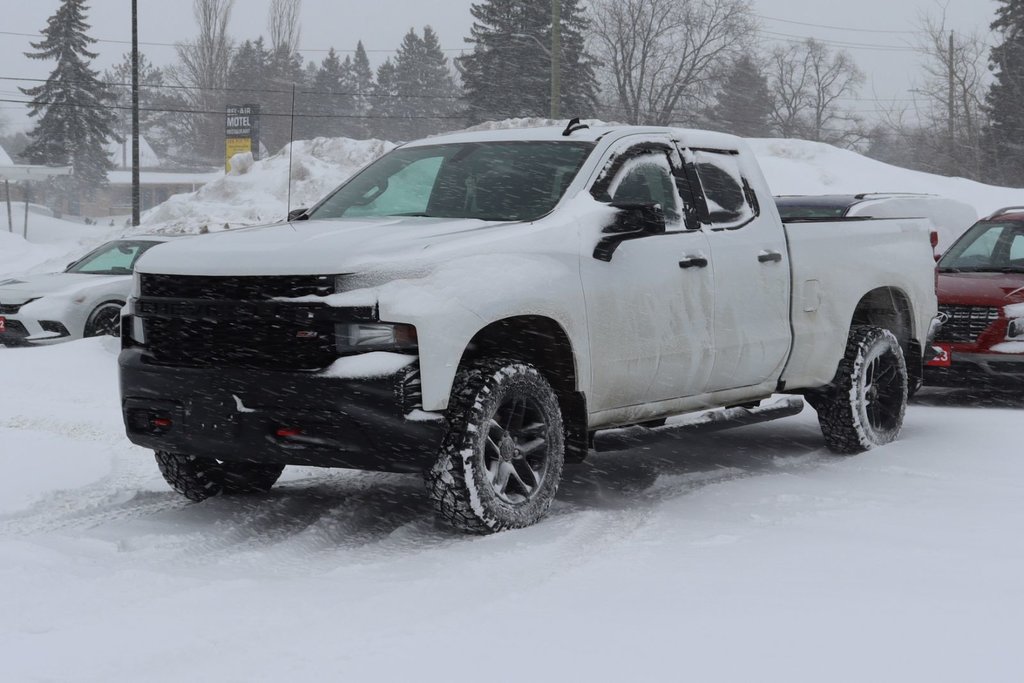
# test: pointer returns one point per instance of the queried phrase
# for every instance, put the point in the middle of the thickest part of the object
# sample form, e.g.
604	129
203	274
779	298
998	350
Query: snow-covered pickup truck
479	306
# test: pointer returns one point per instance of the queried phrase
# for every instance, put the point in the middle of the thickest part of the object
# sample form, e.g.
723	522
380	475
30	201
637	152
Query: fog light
1016	329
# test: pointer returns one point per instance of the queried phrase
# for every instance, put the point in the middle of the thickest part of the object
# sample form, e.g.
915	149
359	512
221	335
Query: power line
837	28
209	112
242	90
186	44
793	38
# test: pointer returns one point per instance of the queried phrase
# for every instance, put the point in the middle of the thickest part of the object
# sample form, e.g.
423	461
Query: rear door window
730	202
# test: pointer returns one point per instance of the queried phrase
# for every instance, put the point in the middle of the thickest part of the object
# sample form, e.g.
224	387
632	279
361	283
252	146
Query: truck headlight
358	337
1016	329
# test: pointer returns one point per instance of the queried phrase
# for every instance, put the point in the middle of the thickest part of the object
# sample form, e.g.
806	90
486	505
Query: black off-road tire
200	478
465	482
105	320
865	404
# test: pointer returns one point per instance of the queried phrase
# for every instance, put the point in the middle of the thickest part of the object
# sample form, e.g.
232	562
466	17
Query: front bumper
976	370
239	414
22	330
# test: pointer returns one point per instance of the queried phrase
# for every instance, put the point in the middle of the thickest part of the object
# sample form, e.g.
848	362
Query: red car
981	297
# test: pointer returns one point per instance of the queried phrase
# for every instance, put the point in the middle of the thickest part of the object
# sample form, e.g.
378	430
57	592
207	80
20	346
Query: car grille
236	288
964	324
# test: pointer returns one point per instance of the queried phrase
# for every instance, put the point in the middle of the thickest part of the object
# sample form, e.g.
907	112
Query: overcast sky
876	32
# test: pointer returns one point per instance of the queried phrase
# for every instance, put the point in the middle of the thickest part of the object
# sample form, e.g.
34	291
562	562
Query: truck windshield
987	247
491	181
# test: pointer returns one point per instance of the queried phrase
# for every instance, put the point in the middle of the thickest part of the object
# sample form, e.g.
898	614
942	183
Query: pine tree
362	84
383	110
508	74
73	106
579	89
424	92
331	97
744	102
1005	138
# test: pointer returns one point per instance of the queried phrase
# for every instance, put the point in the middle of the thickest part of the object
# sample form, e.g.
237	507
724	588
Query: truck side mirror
634	220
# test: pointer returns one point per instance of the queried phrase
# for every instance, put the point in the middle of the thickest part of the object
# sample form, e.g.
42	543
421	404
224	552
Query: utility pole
556	58
952	102
10	216
136	190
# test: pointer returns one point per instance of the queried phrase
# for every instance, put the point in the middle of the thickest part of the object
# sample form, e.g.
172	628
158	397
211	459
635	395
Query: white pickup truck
478	306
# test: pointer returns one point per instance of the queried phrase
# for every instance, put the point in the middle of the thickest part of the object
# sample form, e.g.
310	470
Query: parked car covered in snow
485	306
83	301
981	299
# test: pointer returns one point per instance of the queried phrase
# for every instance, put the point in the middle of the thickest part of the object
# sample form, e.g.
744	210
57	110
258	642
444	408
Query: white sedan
83	301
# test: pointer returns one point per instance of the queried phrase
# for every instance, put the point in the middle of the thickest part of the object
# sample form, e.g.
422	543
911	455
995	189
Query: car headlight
136	285
1016	329
359	337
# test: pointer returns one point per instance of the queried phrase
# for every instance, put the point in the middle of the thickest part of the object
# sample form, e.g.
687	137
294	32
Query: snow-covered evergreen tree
508	74
744	103
1006	97
73	107
423	96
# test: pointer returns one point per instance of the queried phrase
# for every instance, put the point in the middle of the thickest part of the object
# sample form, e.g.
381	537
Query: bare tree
283	24
662	58
203	69
953	89
809	82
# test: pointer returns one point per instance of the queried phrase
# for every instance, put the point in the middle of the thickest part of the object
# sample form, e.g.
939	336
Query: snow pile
795	167
5	159
257	193
52	243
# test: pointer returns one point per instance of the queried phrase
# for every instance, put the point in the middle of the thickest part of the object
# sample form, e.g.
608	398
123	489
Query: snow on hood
21	289
318	247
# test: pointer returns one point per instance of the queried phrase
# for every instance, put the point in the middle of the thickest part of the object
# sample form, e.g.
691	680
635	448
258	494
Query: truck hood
316	247
981	289
18	290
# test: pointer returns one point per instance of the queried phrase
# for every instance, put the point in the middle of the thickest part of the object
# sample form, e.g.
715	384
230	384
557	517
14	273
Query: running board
710	421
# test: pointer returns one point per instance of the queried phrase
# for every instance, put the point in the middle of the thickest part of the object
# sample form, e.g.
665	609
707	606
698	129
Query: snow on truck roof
696	138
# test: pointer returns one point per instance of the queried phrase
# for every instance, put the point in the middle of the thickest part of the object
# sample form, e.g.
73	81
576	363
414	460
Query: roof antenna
574	125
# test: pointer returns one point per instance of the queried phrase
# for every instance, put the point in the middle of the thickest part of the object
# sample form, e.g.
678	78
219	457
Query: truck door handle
770	257
693	262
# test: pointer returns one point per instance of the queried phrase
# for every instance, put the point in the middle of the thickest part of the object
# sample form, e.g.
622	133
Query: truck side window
730	202
648	179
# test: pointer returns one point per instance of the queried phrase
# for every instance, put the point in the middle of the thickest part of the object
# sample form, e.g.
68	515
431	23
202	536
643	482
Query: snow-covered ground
751	555
744	555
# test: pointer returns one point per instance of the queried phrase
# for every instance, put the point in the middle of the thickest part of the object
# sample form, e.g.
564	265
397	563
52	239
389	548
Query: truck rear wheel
200	478
502	457
865	404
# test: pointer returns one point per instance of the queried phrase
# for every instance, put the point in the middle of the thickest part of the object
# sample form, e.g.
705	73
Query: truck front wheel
865	404
200	478
502	456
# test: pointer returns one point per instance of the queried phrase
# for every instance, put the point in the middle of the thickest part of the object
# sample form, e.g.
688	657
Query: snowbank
257	193
802	167
52	243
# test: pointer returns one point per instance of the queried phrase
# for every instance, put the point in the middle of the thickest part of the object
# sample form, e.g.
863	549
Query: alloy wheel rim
516	450
883	391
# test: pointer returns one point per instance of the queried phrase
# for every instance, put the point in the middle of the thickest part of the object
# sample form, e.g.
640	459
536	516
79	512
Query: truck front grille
262	344
258	288
964	324
236	321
